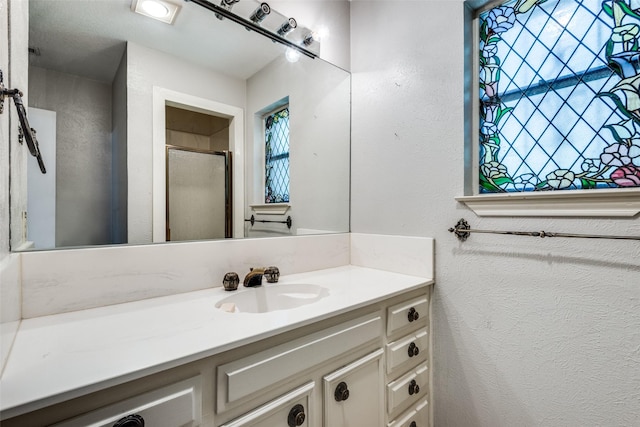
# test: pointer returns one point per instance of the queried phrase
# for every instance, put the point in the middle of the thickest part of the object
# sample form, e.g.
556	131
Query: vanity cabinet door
354	395
292	409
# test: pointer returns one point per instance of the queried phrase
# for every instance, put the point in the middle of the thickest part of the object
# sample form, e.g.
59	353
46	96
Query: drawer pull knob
342	392
130	421
414	388
413	350
413	314
413	424
296	416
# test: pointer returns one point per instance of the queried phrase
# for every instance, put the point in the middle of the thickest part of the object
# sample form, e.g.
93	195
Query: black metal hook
26	131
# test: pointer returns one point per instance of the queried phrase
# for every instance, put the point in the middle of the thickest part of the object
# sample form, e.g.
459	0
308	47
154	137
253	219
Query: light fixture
227	5
157	9
292	55
310	38
315	36
260	13
288	26
276	37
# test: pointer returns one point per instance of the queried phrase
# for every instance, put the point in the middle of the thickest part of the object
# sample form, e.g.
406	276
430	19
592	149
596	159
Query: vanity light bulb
292	54
288	26
321	34
260	13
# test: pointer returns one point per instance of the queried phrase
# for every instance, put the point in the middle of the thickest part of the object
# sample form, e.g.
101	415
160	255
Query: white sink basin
272	297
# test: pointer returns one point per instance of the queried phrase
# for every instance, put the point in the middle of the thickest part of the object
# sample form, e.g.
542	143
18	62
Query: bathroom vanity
352	349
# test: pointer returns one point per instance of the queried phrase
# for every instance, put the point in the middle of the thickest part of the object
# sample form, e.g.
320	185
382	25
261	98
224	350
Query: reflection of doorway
198	196
198	175
41	188
165	97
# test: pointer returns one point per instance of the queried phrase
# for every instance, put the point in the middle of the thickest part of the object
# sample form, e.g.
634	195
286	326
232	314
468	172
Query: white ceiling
87	37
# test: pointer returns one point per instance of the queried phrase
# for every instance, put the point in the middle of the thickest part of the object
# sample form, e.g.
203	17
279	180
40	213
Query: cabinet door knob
413	424
130	421
296	416
413	350
413	388
413	314
342	392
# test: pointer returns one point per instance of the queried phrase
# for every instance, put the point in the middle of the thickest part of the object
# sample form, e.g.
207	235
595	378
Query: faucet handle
272	274
231	281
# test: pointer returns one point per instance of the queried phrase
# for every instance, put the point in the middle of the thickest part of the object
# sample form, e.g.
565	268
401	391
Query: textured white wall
83	153
10	309
4	136
17	76
528	332
119	153
5	338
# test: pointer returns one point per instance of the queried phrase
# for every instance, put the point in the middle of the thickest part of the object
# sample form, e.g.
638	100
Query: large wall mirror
121	101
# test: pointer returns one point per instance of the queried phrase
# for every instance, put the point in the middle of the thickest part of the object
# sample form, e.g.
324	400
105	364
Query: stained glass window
277	157
559	95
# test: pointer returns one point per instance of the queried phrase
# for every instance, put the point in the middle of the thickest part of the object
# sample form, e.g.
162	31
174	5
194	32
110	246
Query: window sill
588	203
271	208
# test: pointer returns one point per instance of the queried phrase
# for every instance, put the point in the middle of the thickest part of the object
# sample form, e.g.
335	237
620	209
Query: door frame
228	181
165	97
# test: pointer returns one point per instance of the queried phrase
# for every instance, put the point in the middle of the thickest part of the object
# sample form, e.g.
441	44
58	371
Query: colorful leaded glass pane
277	157
559	95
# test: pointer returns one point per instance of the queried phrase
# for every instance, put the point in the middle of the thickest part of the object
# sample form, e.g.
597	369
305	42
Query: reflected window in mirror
276	138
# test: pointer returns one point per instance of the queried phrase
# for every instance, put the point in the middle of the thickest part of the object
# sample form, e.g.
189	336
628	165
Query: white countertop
59	357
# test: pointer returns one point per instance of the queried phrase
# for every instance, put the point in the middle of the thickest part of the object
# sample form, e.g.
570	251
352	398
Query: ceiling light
157	9
154	9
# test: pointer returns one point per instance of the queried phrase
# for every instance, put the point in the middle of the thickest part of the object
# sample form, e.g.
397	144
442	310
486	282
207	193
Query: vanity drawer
408	389
242	378
414	347
290	409
418	416
412	312
179	404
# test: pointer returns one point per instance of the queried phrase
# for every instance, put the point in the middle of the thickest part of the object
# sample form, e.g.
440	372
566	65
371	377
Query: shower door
198	194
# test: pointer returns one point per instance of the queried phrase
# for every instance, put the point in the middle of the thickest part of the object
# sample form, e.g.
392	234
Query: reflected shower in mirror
102	72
